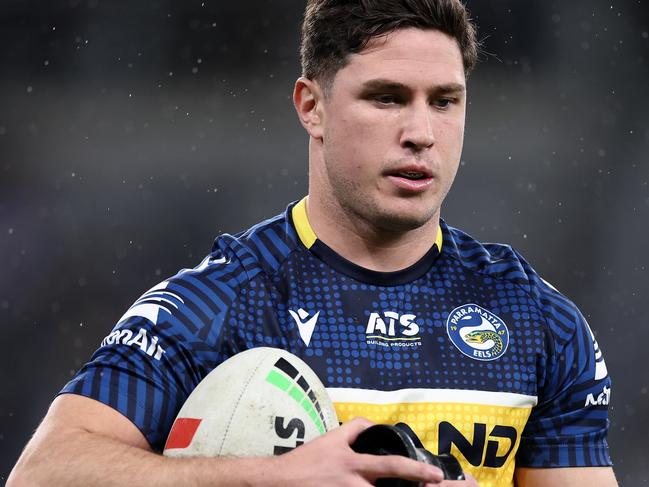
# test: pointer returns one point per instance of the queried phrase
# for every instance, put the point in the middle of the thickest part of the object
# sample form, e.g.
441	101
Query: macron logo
304	327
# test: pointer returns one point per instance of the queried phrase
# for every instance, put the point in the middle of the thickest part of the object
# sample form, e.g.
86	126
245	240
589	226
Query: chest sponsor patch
391	329
477	332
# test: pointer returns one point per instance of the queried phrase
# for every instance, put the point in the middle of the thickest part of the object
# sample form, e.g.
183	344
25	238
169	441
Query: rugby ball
261	402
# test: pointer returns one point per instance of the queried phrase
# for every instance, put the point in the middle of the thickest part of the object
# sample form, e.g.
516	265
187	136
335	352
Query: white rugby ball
261	402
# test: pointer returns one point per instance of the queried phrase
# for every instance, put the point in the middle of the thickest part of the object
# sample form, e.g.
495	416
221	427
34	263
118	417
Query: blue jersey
469	346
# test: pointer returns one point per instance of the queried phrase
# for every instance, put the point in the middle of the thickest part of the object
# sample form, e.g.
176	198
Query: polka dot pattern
341	352
343	356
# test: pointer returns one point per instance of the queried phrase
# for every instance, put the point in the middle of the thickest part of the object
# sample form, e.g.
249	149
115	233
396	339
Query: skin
398	103
365	129
542	477
82	442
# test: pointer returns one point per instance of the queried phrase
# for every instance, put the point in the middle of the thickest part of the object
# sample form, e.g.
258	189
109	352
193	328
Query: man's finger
353	428
469	482
394	466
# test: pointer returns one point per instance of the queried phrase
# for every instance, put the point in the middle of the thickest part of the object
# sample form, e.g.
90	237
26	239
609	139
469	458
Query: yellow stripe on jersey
308	236
483	437
439	239
302	225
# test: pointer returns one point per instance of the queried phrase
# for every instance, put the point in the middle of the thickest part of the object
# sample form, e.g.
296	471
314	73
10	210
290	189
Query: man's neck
366	245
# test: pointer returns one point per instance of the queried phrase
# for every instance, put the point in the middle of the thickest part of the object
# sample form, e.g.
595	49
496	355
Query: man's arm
83	442
559	477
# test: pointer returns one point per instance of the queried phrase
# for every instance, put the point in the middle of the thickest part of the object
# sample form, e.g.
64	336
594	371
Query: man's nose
417	126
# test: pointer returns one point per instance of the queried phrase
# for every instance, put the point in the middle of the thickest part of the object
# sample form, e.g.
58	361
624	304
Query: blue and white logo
477	333
154	304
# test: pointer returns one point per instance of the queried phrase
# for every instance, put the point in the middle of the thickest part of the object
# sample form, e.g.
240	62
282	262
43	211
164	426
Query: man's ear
308	99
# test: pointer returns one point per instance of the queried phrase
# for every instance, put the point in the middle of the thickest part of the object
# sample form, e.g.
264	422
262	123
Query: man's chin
402	222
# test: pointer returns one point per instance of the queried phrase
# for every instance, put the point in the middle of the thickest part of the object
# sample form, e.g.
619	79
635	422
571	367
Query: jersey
469	346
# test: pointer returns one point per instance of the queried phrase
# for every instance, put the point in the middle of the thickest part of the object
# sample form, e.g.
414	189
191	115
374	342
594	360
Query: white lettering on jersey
377	324
142	340
602	399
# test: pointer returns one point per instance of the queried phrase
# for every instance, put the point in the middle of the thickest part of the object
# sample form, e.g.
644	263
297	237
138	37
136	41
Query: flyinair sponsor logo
601	399
391	329
140	339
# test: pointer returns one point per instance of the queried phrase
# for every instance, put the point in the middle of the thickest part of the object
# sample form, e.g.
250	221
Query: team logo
477	333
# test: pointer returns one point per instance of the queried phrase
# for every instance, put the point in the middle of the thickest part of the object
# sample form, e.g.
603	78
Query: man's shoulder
200	294
498	260
503	264
239	257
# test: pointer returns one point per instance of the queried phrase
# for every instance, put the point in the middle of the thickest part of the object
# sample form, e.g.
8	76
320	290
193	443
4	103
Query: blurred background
133	133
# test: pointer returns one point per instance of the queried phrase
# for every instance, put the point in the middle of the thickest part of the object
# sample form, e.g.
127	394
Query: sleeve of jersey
569	425
161	348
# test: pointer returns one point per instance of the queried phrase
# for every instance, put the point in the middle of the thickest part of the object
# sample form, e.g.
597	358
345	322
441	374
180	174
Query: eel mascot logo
477	332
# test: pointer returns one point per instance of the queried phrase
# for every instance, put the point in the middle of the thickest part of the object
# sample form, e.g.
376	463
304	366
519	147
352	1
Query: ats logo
390	329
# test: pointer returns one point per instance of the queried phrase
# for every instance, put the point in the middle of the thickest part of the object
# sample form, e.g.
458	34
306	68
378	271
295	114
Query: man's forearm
76	457
81	459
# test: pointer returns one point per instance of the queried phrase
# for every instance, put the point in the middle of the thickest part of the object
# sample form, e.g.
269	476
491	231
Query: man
403	317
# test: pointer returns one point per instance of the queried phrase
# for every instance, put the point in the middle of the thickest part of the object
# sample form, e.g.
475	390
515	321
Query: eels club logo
477	333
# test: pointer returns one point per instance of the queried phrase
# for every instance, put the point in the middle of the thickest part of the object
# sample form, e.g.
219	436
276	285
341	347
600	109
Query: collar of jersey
310	240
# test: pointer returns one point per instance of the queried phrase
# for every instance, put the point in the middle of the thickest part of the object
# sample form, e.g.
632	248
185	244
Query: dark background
133	133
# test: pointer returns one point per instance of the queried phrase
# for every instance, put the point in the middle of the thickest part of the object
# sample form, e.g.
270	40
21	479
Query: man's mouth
412	175
411	179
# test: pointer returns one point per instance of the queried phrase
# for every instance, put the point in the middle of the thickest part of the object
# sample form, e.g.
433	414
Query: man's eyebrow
383	84
386	84
450	88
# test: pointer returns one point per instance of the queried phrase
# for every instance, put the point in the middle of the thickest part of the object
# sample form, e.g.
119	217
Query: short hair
333	29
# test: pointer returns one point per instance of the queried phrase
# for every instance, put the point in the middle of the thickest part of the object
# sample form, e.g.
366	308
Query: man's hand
469	482
329	460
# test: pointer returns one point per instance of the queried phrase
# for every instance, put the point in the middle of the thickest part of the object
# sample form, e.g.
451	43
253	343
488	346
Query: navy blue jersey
469	346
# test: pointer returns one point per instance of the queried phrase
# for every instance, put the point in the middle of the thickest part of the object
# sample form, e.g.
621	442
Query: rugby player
402	316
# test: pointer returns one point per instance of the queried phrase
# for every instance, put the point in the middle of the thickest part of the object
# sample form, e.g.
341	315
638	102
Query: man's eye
385	99
444	102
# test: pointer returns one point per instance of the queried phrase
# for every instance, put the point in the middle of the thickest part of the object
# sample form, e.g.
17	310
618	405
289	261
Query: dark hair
333	29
